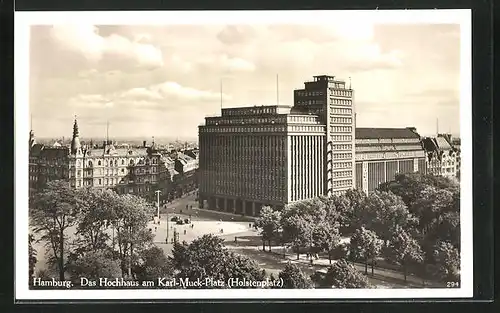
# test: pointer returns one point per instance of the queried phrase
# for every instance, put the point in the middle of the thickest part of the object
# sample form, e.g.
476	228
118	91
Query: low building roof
36	149
121	152
385	133
443	144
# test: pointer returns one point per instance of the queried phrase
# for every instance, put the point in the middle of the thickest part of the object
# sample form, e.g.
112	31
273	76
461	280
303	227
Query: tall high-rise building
332	101
274	155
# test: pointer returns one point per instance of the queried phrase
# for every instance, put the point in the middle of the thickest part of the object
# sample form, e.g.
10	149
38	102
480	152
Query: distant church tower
76	147
32	139
32	134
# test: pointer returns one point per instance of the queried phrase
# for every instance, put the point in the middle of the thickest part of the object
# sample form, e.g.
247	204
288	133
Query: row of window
342	111
342	174
335	101
57	161
340	165
310	102
342	156
341	120
303	93
338	192
341	93
341	137
341	129
342	183
243	129
341	147
140	171
248	111
239	121
302	119
112	163
305	128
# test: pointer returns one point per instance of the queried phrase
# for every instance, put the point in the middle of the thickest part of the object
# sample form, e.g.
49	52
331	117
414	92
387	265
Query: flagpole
221	95
277	90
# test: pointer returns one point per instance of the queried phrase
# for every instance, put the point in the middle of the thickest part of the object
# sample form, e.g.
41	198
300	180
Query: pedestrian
156	228
184	231
250	225
166	240
311	261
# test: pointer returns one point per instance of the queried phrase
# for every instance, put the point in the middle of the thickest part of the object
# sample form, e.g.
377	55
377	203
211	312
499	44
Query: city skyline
151	78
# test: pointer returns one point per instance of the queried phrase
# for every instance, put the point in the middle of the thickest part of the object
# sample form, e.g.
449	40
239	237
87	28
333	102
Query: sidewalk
382	278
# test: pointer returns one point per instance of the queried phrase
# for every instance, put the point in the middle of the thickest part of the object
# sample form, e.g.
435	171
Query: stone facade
139	171
381	153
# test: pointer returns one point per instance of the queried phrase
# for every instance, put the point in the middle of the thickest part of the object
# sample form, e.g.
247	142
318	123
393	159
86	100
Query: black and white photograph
211	155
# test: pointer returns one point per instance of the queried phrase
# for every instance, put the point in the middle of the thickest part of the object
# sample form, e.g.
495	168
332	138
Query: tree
242	268
344	276
94	265
326	238
409	186
269	222
179	255
203	258
52	212
404	250
31	257
95	213
153	264
298	230
294	278
207	258
431	205
129	218
382	212
364	246
447	261
341	251
350	203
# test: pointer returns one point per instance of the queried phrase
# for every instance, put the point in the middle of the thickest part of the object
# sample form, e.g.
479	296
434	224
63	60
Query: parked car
186	221
174	219
180	222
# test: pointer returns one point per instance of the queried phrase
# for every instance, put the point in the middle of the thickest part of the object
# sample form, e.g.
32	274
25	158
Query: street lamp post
158	203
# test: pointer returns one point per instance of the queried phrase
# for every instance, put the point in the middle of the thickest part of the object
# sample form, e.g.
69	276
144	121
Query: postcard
243	155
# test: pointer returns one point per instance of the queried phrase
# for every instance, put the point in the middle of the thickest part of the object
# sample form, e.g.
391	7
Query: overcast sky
163	80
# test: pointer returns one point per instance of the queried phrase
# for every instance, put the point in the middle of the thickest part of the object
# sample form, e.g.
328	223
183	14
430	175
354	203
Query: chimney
144	144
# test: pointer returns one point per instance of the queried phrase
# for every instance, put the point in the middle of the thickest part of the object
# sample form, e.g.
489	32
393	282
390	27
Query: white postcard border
23	20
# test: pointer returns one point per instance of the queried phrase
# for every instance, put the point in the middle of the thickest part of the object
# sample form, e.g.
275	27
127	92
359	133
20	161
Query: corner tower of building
333	102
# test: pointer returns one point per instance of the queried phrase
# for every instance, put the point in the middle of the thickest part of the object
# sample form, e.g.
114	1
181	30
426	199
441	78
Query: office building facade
381	153
274	155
